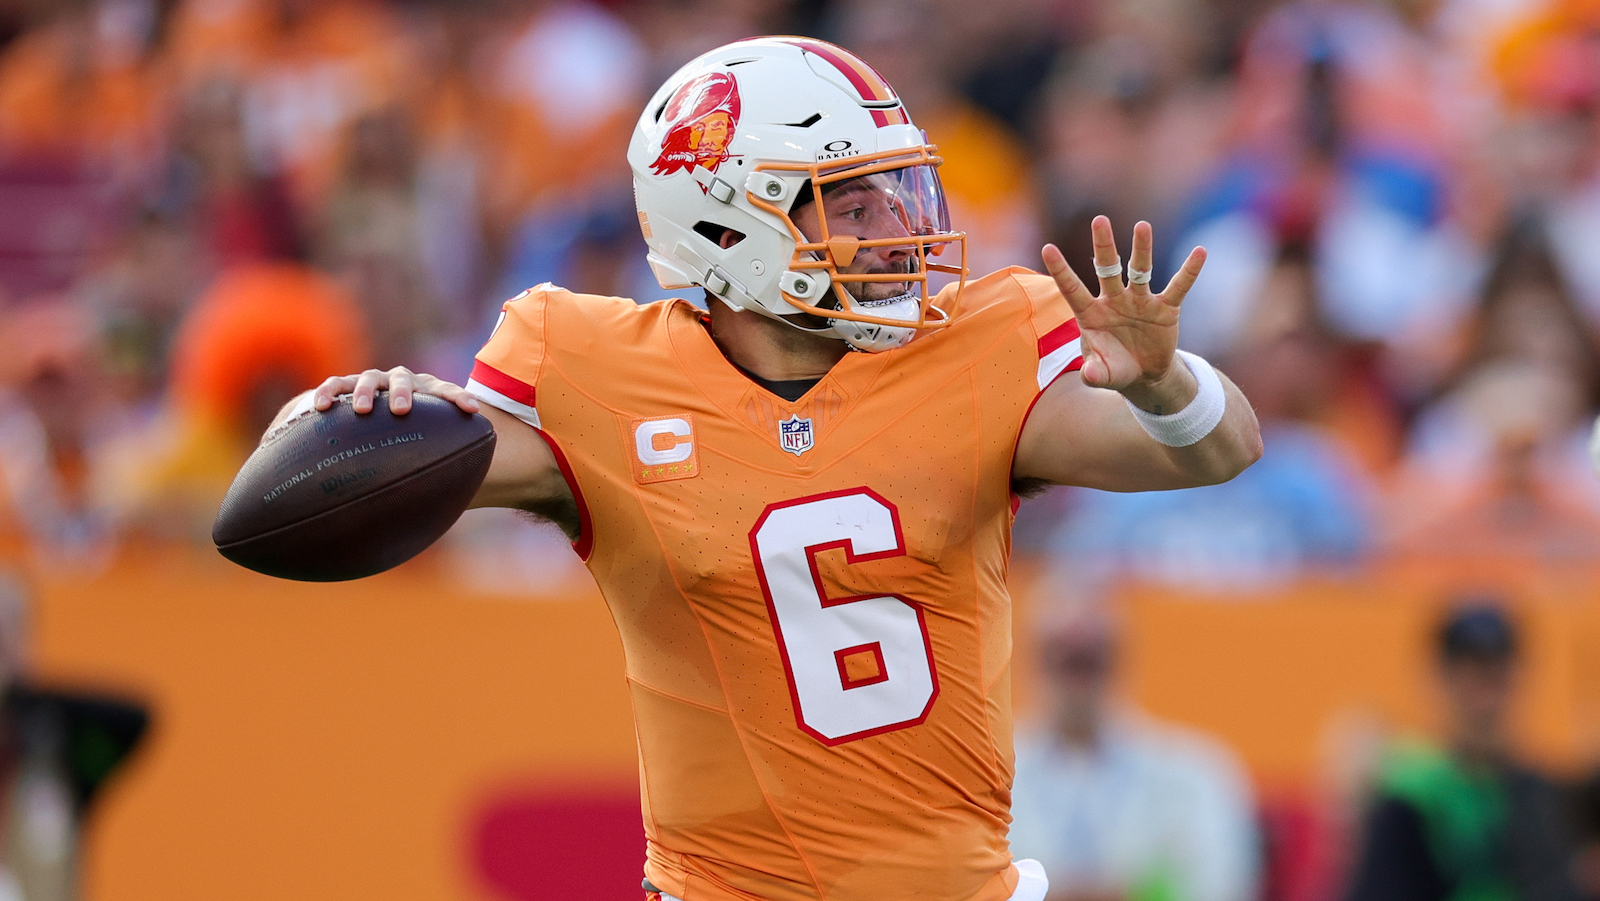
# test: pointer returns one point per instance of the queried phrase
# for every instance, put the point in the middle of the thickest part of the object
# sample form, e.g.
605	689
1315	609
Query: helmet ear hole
720	235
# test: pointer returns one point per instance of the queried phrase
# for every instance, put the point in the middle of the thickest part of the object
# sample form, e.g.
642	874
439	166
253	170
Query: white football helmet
751	132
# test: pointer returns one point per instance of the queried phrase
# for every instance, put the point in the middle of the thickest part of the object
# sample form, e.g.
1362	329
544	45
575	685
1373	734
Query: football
340	495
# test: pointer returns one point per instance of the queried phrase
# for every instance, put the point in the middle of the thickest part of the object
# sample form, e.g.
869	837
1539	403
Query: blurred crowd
207	205
1400	201
210	204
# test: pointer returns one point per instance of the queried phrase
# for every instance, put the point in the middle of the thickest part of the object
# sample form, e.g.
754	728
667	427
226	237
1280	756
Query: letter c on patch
663	441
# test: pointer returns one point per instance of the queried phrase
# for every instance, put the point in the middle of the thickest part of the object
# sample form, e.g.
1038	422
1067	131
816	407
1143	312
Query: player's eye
854	213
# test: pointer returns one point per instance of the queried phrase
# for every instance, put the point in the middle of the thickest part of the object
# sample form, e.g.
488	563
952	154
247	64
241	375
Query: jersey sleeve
1060	348
505	374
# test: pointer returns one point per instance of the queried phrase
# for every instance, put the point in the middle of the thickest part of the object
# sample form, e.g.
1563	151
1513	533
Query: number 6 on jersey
857	666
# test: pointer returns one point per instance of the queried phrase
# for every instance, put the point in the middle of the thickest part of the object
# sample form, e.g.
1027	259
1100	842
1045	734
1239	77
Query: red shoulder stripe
495	380
1057	336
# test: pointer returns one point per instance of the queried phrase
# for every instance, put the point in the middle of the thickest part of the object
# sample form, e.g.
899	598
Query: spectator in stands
241	210
1549	76
139	293
1132	134
306	68
371	236
567	87
1496	464
1114	804
986	174
1465	820
84	81
595	247
51	401
1343	141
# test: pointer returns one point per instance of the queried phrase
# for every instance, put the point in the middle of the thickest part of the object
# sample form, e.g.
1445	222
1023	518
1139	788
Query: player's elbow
1233	446
1225	460
1248	450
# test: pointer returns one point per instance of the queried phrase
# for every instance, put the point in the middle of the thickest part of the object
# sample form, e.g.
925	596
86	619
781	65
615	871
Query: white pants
1032	884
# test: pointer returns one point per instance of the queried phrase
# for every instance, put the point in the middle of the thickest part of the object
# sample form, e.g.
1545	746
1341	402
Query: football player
798	505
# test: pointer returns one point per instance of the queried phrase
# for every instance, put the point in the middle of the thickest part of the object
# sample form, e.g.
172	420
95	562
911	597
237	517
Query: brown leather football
340	495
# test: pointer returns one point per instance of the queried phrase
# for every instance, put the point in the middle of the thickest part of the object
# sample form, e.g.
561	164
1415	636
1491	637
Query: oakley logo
835	149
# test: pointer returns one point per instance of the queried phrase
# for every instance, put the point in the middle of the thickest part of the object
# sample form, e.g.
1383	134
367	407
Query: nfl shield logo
795	436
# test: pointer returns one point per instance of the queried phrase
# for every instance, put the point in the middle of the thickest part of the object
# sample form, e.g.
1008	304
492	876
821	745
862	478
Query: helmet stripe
895	116
868	83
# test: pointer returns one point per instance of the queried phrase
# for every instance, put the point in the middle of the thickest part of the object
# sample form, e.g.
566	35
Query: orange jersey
811	595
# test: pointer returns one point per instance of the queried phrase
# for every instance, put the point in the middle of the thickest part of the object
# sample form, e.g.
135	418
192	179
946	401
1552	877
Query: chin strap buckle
720	191
716	188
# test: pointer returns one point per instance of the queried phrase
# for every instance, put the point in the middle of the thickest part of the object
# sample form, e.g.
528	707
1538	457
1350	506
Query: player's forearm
524	474
1125	457
1227	450
1197	419
1078	435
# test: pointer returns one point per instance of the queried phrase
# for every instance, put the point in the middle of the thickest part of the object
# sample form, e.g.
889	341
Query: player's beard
891	300
895	301
875	293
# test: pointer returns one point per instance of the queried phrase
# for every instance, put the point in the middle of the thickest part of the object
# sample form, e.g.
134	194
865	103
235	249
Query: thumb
1095	372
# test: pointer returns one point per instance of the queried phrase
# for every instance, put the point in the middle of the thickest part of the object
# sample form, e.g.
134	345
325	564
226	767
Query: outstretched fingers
1181	282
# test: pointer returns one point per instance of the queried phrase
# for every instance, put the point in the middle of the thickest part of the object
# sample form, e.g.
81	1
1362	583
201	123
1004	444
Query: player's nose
890	226
894	227
894	254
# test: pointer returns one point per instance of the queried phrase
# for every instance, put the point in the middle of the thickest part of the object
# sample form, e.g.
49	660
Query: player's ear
724	236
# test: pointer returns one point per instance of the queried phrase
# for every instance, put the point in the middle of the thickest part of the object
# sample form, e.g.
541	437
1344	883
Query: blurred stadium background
206	205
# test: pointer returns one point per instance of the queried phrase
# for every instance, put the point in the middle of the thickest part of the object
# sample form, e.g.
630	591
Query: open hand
1130	334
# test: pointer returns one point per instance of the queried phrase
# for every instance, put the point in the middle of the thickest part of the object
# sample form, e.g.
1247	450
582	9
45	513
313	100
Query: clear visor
903	202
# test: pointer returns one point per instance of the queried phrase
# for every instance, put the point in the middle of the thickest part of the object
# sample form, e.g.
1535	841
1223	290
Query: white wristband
1195	421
